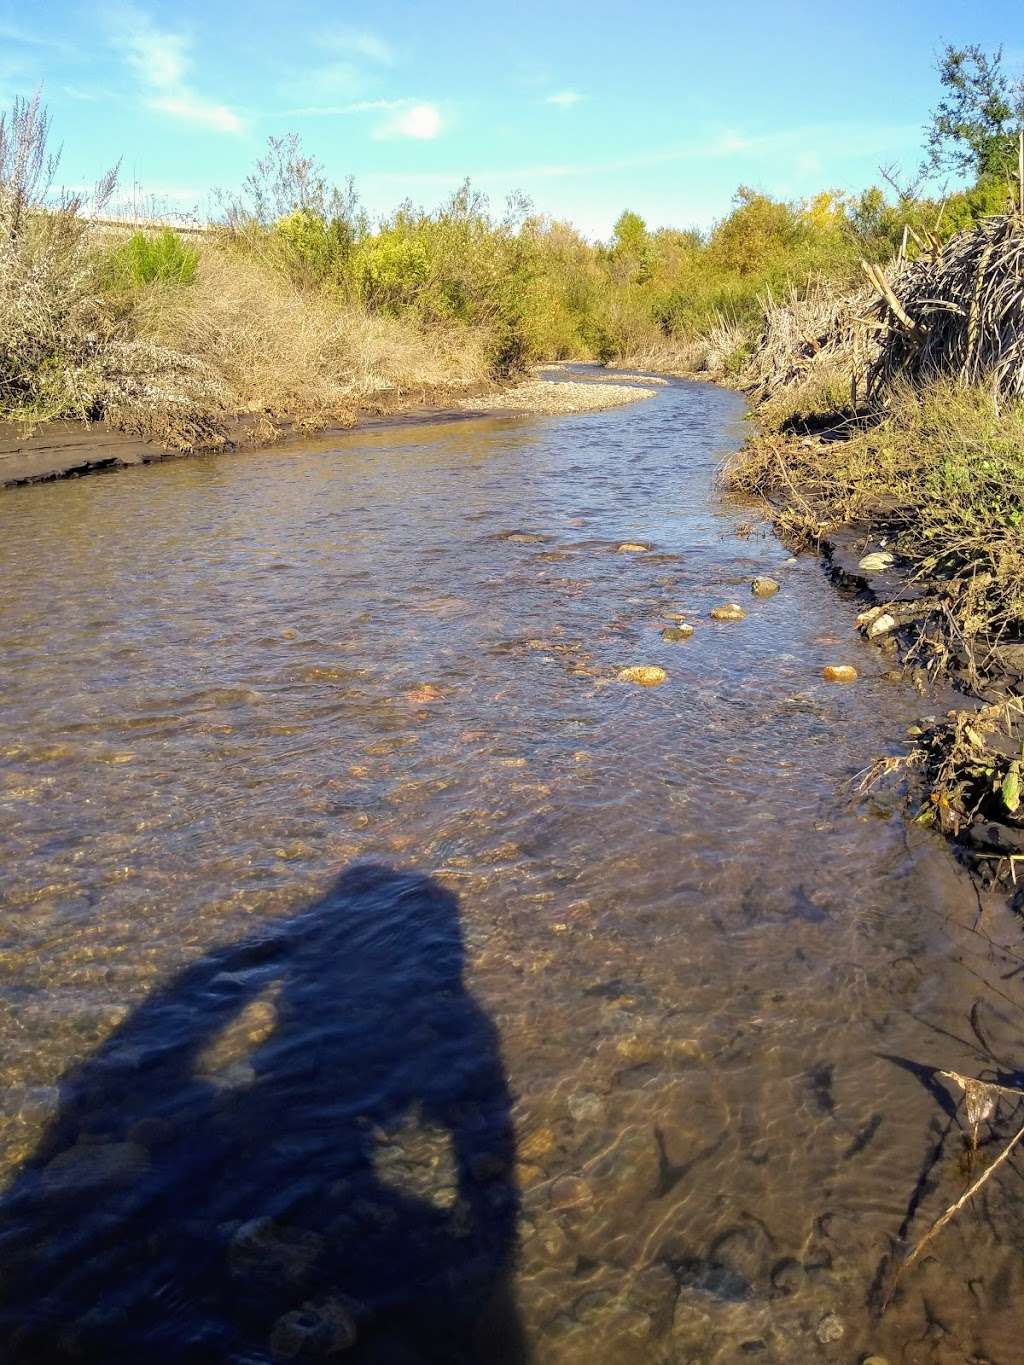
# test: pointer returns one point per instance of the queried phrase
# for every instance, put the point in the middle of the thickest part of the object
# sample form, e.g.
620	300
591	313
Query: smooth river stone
764	587
644	675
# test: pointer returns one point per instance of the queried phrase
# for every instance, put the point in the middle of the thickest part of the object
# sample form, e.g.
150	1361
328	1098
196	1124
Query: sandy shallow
562	396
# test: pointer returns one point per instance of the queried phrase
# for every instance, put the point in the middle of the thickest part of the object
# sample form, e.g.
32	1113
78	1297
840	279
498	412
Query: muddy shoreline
902	615
59	450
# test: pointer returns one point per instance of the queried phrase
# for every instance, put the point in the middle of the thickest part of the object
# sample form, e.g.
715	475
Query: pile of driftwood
956	312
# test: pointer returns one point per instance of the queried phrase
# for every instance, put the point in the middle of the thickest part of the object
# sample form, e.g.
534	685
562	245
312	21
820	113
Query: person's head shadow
299	1148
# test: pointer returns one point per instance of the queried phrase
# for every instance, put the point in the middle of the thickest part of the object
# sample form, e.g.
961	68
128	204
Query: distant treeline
295	304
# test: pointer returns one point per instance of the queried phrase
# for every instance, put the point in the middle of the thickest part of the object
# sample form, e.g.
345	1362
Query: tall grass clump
145	258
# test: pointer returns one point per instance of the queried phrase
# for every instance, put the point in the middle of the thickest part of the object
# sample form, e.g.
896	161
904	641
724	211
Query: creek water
623	1049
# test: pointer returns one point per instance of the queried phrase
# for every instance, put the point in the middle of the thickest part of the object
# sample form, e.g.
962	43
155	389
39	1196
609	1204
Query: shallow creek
639	1075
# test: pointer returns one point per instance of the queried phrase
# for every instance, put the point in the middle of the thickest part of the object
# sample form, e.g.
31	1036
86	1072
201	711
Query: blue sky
663	106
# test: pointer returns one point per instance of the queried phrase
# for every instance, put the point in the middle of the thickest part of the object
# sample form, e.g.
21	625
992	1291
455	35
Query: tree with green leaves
975	126
631	243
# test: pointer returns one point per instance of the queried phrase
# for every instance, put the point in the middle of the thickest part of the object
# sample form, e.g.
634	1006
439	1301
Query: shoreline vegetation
292	312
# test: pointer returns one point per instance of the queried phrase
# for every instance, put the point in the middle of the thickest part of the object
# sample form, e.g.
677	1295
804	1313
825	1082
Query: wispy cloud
26	37
339	110
851	139
349	64
160	60
360	43
423	122
565	99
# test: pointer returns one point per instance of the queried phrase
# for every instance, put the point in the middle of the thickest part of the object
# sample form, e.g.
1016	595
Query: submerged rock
673	634
424	694
840	673
274	1252
632	547
313	1332
585	1106
91	1165
569	1192
729	611
830	1329
644	675
764	587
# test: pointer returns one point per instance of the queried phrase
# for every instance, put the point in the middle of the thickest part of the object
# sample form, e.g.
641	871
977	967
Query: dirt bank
58	450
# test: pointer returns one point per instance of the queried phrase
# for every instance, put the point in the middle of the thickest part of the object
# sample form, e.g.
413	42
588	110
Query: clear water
623	1052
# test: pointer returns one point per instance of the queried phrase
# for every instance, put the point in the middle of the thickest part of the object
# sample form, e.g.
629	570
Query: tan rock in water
673	634
840	673
730	611
881	625
424	694
644	675
764	587
633	547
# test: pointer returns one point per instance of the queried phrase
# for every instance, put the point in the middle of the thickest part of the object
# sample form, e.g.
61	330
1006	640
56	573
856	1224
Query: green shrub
390	271
150	258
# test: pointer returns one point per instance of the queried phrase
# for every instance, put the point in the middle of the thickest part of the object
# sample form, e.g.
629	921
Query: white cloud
361	43
160	60
564	98
420	121
195	109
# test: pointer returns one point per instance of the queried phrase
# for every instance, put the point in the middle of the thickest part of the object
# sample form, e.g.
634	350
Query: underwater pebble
585	1106
673	634
840	673
830	1329
569	1192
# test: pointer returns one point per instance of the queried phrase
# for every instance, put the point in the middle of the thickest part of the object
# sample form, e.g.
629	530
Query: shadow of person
300	1148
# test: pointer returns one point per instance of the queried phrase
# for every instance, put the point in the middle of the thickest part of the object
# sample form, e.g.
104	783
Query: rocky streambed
626	1049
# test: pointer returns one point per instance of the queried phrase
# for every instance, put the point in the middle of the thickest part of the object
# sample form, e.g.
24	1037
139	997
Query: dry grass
288	353
809	342
946	469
